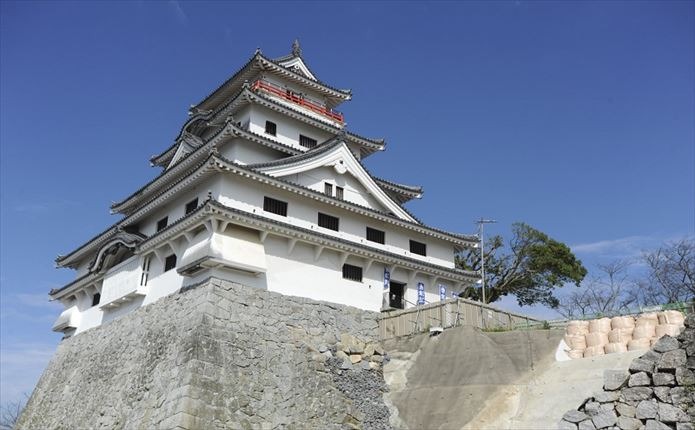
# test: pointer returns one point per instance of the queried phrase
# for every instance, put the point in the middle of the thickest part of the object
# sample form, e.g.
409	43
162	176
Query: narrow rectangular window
271	128
96	298
162	223
374	235
328	189
418	248
274	206
353	273
145	275
307	142
328	221
170	262
339	192
192	205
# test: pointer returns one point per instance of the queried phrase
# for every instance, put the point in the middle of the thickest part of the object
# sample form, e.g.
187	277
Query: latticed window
374	235
328	221
274	206
192	205
353	273
162	223
271	128
170	262
339	192
307	142
328	189
418	248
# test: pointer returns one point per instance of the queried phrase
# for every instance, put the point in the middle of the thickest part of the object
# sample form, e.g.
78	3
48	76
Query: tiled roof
258	56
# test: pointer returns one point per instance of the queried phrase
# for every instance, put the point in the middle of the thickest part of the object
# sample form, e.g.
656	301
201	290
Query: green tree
531	267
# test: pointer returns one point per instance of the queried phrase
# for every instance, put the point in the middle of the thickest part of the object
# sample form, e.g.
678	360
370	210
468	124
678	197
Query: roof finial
296	50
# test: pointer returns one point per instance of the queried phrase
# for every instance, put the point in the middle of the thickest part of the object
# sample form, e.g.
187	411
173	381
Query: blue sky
577	118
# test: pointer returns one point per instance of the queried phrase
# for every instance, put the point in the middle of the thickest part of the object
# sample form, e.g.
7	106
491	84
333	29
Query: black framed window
274	206
328	221
170	262
162	223
353	273
339	192
374	235
418	248
192	205
96	298
307	142
271	128
328	189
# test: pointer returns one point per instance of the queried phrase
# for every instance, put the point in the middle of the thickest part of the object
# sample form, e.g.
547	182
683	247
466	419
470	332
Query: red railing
296	98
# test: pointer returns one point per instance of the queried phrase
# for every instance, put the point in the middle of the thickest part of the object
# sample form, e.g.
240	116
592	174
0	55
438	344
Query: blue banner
387	279
442	292
420	293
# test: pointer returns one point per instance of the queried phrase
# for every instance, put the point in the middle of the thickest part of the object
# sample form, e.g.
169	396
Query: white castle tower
264	186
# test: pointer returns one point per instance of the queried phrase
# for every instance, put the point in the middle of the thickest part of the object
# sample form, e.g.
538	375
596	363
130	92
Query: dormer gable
333	165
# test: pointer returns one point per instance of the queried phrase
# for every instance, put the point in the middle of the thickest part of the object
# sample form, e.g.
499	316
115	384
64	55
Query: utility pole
481	224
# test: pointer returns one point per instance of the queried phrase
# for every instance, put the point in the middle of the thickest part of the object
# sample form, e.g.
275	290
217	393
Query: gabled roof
211	208
246	96
214	162
334	154
259	62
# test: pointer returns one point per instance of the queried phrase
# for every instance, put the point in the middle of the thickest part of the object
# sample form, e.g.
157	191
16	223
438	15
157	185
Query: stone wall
218	355
656	393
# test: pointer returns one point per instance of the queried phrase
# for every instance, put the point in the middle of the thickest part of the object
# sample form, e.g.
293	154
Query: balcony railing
122	284
297	99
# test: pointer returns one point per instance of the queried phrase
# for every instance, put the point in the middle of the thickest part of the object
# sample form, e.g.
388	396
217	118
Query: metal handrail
294	98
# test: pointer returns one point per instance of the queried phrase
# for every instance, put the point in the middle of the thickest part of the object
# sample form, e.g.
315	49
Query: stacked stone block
656	393
216	356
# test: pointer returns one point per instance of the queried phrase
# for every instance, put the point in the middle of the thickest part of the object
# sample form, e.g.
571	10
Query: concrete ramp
466	378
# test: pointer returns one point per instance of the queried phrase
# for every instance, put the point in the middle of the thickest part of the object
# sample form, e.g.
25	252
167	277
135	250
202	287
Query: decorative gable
332	168
297	65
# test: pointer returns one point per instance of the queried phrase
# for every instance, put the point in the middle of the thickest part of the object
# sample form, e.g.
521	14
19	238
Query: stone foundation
657	393
218	355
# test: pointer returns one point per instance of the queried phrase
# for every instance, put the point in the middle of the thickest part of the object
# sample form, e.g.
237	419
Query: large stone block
627	423
647	409
575	416
636	394
685	376
604	419
625	410
641	365
663	394
614	379
665	344
664	379
671	360
671	414
606	396
639	379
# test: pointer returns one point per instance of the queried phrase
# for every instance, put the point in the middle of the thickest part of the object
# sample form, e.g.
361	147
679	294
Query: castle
264	186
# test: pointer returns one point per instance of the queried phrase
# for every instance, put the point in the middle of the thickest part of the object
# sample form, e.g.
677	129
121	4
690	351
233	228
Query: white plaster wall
246	195
299	274
244	152
175	208
288	129
354	192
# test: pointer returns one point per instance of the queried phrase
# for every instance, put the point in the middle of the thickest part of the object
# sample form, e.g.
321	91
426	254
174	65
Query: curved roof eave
209	101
